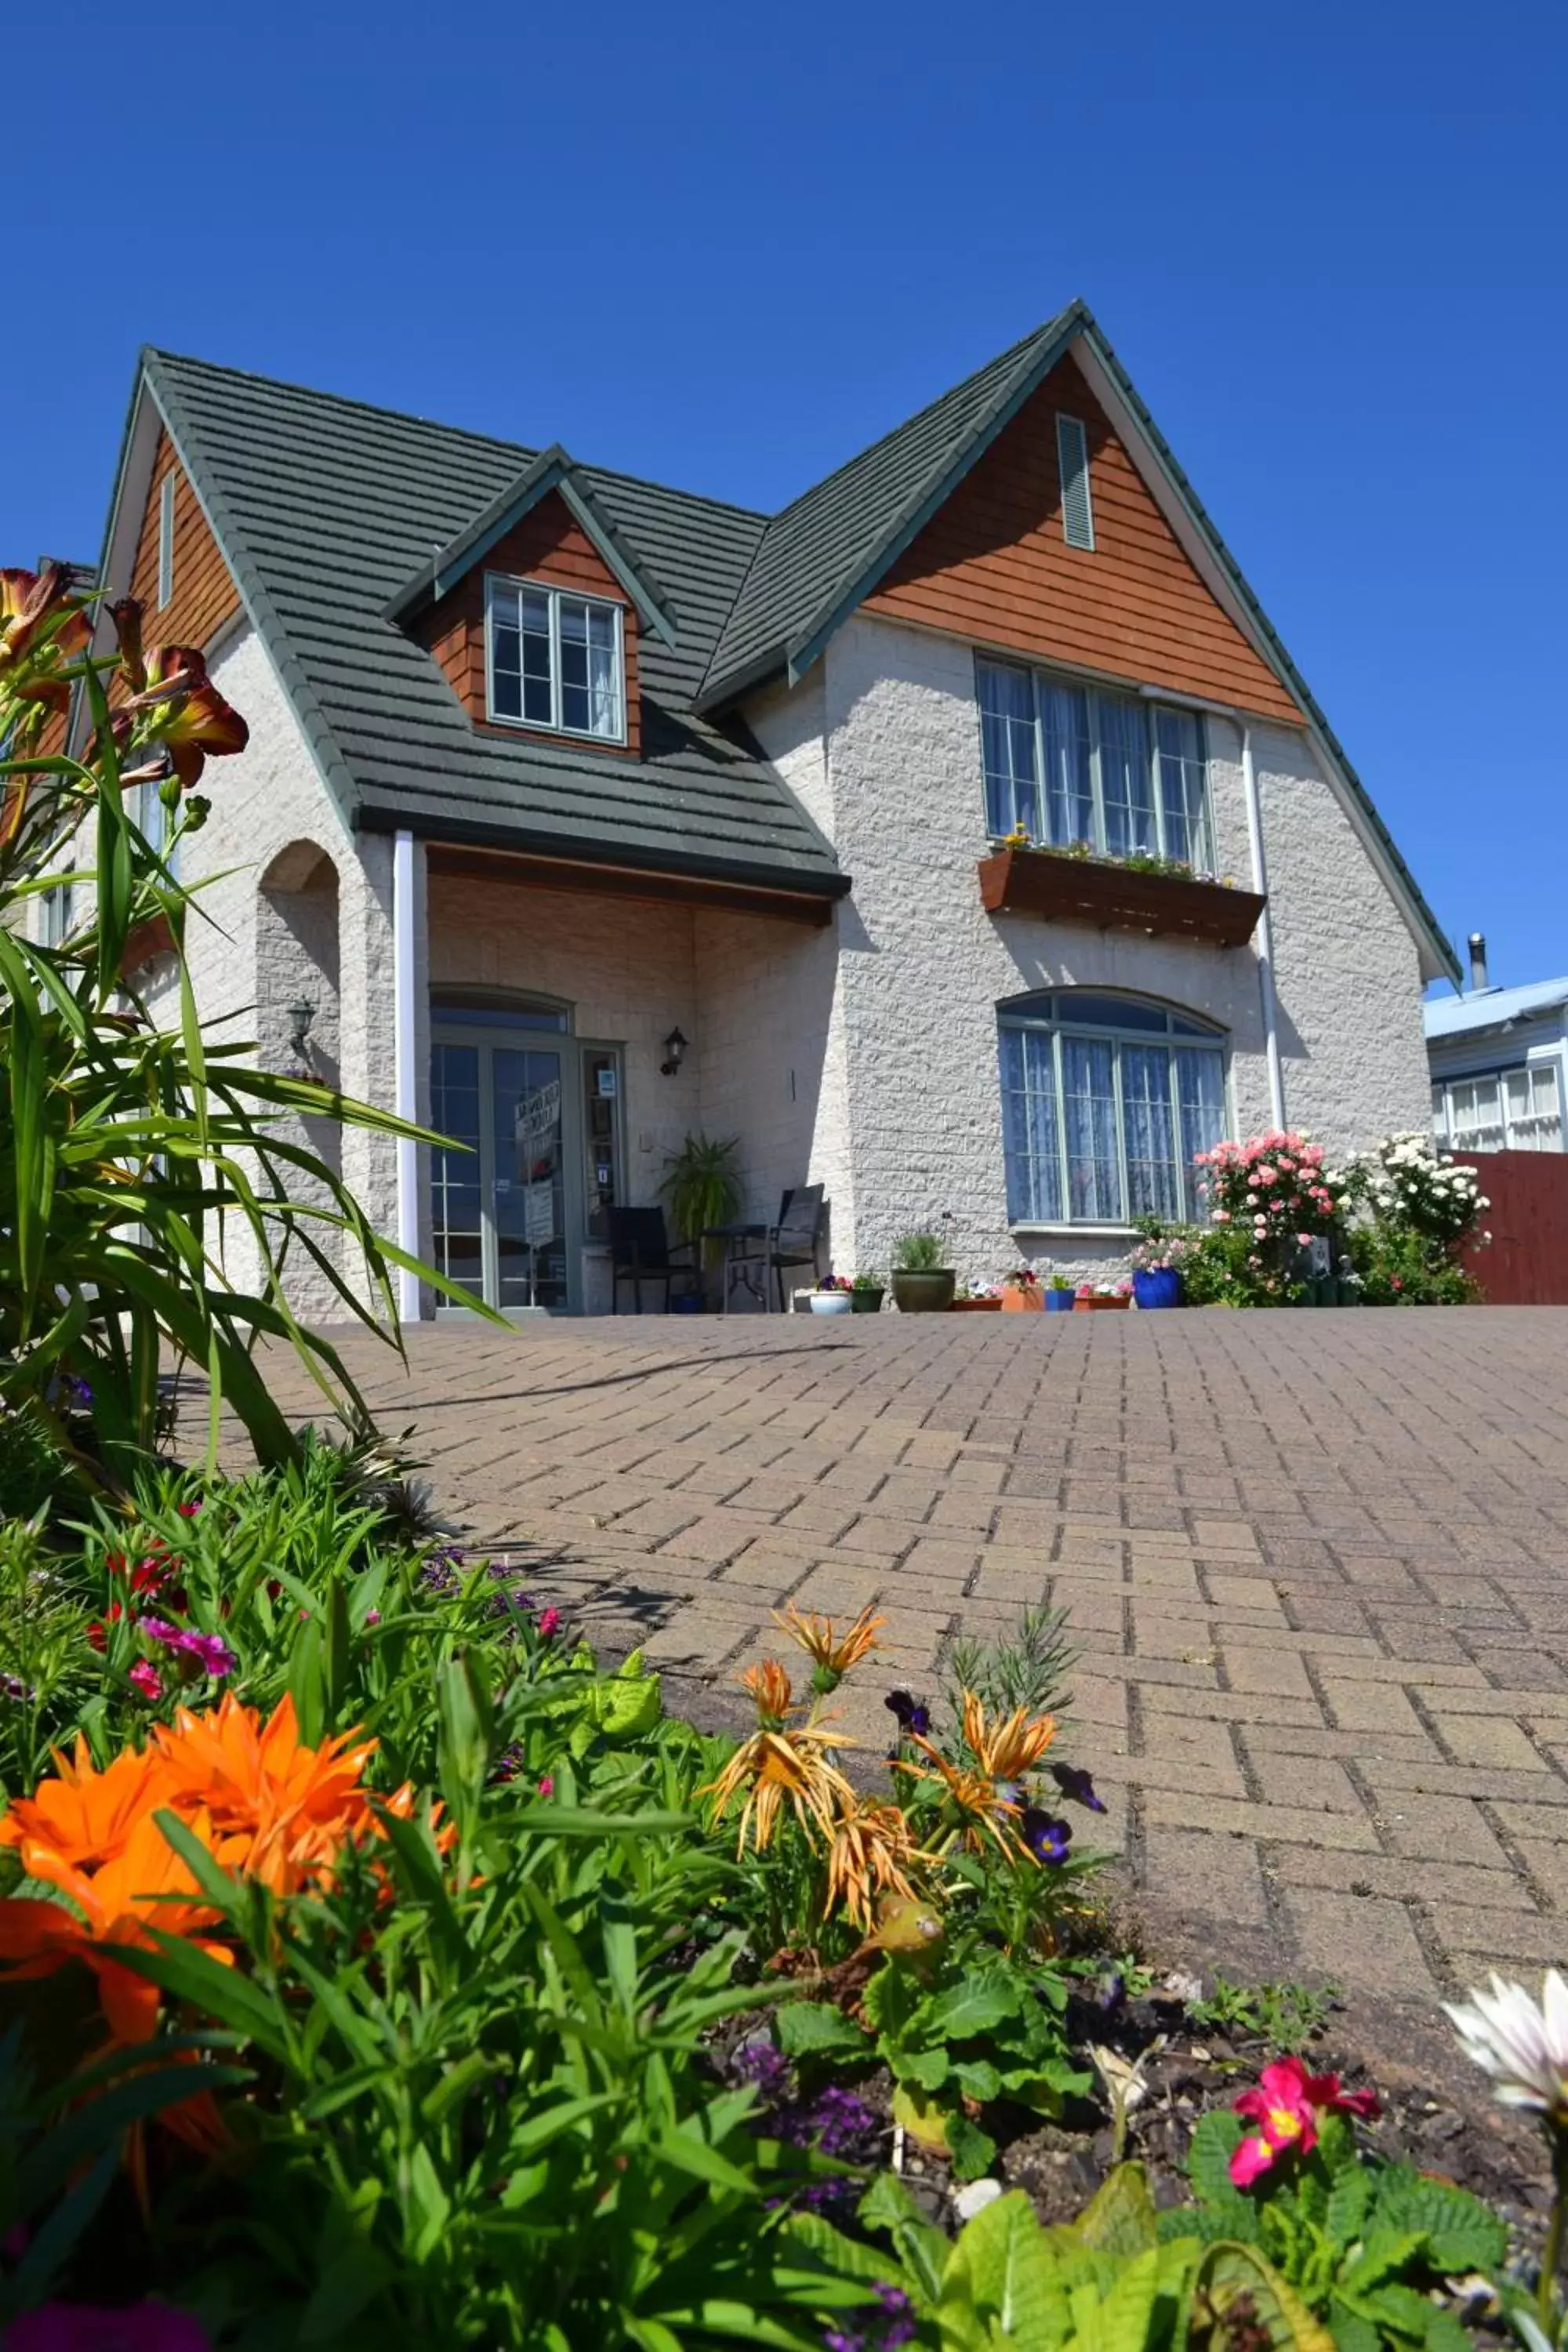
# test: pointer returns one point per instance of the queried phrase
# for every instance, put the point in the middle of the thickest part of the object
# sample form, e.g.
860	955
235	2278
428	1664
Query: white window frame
1015	1015
166	540
55	915
1151	706
552	590
1514	1133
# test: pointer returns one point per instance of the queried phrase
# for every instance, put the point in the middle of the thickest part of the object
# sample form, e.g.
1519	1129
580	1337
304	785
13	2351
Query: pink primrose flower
1286	2106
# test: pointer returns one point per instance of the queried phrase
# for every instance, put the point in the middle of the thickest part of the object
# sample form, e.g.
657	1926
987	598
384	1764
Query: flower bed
375	1945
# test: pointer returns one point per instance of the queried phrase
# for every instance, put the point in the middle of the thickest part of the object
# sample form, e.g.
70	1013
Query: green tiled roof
819	549
325	510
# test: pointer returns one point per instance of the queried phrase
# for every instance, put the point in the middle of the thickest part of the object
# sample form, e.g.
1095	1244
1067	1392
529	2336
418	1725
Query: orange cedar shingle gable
548	544
993	565
205	597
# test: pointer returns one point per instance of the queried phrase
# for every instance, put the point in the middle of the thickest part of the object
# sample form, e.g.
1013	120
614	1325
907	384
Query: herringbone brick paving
1316	1564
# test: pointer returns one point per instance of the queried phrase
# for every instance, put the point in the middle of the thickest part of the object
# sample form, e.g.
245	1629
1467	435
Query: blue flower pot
1157	1286
1059	1302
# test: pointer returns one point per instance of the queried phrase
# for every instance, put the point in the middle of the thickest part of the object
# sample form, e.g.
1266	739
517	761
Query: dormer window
555	660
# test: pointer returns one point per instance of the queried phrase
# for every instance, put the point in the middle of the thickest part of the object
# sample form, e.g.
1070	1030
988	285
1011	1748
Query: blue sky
725	246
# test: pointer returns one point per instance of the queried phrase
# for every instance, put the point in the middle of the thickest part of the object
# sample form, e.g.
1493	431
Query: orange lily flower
831	1654
86	1816
870	1857
192	717
287	1807
975	1804
145	1885
1007	1750
36	608
776	1767
770	1686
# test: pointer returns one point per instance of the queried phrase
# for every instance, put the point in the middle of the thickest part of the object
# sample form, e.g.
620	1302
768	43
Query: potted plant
1096	1297
1021	1292
833	1296
1157	1273
922	1285
986	1301
1059	1294
702	1187
866	1293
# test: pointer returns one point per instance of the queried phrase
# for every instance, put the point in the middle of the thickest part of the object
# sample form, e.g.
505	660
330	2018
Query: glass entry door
506	1212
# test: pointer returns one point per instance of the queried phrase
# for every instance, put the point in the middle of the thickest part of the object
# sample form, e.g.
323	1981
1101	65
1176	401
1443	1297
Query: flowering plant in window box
983	1298
1021	1292
1095	1298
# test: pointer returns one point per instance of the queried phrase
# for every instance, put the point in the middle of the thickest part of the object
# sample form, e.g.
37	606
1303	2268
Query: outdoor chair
641	1251
795	1240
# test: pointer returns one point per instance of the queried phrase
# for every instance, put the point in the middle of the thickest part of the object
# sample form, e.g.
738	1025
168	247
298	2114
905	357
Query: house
1498	1060
548	764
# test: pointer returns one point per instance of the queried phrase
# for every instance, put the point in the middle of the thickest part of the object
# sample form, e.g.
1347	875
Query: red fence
1527	1262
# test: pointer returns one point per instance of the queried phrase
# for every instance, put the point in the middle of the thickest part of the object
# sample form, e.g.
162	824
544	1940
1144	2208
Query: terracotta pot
1022	1302
975	1305
1098	1306
927	1293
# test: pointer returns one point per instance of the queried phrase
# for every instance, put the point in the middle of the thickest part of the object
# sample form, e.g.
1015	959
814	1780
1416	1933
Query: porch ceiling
593	880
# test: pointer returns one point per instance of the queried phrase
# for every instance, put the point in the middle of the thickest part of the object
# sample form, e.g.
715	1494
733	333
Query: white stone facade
862	1057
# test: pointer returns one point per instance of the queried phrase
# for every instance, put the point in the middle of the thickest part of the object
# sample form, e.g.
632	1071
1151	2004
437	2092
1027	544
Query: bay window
555	660
1070	763
1106	1103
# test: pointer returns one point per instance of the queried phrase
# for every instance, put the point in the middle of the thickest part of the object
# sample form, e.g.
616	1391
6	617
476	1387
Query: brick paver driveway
1316	1564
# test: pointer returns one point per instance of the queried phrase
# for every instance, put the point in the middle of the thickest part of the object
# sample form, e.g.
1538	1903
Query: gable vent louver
1072	458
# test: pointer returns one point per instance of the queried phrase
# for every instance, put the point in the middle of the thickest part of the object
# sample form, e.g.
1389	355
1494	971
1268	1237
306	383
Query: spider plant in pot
702	1188
923	1284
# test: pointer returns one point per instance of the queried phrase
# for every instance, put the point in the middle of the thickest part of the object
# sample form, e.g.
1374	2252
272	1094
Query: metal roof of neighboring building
1486	1008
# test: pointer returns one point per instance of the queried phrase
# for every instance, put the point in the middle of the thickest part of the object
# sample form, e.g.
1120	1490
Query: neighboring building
1498	1058
547	762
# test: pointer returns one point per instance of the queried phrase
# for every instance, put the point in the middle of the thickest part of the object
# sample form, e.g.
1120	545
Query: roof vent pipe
1477	946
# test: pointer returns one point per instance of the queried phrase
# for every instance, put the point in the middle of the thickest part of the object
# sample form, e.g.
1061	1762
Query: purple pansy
1047	1837
913	1714
1077	1787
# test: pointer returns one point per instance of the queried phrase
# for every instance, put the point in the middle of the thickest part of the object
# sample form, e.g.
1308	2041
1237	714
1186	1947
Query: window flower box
1114	897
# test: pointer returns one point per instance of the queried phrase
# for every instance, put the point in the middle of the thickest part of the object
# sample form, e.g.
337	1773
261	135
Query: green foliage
31	1466
1215	1272
1398	1266
702	1184
1361	2241
1028	1668
920	1254
129	1149
984	2028
1286	2016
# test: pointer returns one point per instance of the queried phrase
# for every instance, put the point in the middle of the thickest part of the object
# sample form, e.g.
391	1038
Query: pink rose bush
1275	1189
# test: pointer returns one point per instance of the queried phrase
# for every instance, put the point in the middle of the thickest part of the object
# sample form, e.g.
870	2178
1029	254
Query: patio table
735	1266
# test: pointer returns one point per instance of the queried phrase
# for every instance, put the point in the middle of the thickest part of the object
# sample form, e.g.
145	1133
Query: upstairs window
1106	1103
555	660
1071	765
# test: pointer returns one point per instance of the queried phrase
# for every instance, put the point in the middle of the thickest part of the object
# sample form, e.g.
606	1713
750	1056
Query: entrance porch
546	1000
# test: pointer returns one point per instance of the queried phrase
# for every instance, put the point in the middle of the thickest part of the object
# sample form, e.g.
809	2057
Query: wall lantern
302	1013
674	1054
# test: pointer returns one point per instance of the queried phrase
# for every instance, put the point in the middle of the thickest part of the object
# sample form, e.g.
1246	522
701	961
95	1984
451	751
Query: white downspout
1265	926
404	1068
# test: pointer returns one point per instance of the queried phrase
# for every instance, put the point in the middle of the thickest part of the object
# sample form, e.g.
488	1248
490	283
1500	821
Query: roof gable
994	565
551	473
819	556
